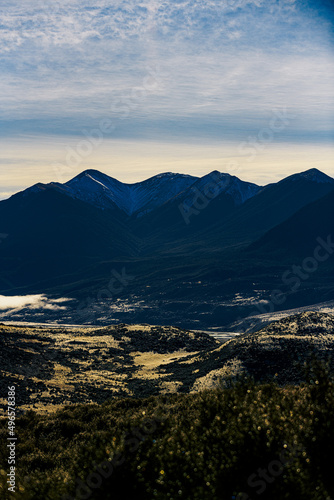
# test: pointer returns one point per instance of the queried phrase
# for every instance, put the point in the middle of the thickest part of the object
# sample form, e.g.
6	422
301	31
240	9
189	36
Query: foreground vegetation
246	441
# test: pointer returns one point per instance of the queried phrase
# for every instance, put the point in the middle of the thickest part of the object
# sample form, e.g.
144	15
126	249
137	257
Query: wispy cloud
221	66
16	303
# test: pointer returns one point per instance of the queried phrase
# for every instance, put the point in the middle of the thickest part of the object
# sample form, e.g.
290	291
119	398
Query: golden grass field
53	367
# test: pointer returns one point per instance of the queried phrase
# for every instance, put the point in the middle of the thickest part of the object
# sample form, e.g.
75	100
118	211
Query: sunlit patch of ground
149	362
143	328
51	367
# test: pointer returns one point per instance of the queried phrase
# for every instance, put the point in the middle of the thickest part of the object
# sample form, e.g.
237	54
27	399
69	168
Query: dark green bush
205	446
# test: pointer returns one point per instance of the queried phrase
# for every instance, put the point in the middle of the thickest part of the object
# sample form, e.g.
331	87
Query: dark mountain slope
50	234
60	245
299	234
205	204
270	207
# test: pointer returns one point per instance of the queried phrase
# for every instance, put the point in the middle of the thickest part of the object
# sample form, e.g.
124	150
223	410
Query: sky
135	88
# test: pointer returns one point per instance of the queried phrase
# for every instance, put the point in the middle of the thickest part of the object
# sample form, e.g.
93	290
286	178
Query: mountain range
188	242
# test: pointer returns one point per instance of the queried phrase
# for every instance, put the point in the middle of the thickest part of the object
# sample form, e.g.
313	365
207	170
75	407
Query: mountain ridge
57	244
139	198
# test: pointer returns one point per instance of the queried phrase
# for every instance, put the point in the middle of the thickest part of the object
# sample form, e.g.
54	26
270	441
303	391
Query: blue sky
185	85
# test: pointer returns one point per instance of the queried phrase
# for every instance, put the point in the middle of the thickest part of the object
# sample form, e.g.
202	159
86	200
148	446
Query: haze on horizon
189	86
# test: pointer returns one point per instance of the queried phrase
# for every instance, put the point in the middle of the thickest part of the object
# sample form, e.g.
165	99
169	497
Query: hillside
56	366
276	352
144	412
244	442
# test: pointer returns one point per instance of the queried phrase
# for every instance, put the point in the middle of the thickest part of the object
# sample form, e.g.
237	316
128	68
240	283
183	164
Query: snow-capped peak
103	191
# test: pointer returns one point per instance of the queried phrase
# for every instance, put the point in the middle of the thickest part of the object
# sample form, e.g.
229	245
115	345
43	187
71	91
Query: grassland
146	412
